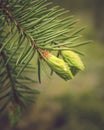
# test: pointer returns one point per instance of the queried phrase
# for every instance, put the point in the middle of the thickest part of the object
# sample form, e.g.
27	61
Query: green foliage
26	29
14	114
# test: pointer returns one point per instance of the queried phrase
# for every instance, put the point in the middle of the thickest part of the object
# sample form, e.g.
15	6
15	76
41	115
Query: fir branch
27	27
19	27
12	82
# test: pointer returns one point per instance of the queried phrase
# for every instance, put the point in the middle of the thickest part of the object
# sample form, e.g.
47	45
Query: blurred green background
77	104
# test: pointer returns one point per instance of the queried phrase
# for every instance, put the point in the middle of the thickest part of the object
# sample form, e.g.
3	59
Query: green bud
58	65
73	61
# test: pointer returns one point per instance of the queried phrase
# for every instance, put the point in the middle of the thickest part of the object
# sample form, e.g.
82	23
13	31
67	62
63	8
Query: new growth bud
73	60
57	65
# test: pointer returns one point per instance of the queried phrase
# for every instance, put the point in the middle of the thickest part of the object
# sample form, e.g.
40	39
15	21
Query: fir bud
73	60
57	65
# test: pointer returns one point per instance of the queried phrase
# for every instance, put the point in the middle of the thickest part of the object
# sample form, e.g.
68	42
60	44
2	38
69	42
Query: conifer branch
12	82
27	27
19	27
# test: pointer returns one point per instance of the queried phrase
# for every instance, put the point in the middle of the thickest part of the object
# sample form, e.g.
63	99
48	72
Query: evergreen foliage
28	28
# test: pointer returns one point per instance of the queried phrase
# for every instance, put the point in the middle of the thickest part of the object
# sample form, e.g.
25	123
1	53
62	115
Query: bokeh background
77	104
